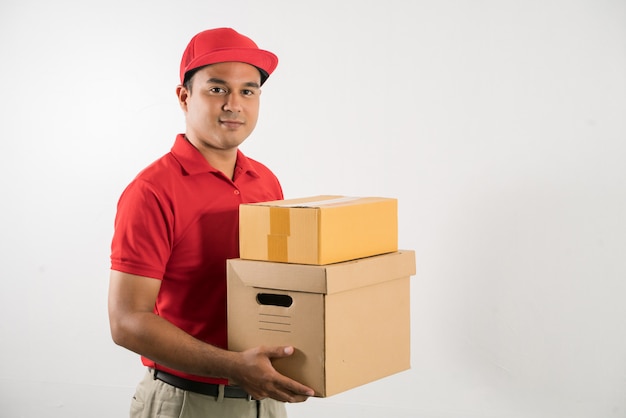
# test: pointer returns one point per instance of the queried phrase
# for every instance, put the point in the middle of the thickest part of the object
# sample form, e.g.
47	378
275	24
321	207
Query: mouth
231	123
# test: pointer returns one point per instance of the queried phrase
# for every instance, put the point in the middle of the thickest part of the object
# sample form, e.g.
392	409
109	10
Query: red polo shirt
178	221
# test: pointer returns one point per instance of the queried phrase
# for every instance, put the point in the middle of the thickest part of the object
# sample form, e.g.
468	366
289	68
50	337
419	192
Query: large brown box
349	321
318	229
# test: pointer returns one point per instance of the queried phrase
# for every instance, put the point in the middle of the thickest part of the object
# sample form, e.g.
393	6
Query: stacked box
348	319
319	229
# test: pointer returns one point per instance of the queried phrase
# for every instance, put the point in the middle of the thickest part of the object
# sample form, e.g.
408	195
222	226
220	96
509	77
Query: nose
232	103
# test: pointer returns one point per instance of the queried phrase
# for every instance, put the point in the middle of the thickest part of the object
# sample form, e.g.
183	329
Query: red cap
224	45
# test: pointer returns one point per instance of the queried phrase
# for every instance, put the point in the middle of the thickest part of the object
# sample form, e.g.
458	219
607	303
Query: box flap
320	201
299	202
331	278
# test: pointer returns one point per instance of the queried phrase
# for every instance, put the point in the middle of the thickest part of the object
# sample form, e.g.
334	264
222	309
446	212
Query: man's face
222	108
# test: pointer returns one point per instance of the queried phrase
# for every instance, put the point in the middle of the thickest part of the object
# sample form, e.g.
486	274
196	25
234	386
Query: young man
176	225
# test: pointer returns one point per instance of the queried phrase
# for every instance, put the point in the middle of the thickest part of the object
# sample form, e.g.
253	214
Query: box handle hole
273	299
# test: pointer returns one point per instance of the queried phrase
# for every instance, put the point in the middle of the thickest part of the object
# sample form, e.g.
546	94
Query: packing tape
277	240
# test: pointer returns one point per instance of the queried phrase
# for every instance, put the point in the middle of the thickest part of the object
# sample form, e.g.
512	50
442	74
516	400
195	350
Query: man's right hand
256	375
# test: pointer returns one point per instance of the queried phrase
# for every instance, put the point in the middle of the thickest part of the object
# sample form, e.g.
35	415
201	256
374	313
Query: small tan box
318	230
349	322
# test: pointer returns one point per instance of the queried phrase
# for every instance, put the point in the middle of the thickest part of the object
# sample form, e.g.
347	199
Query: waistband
210	389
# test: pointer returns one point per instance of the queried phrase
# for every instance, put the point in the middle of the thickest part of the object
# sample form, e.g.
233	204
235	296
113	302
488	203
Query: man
176	225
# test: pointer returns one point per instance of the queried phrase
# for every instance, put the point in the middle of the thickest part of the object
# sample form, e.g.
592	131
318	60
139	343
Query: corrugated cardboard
318	230
349	322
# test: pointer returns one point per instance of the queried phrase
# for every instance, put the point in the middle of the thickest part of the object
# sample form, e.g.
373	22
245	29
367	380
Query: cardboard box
349	322
318	230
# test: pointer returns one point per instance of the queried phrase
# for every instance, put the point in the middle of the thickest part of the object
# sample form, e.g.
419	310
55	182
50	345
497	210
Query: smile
231	123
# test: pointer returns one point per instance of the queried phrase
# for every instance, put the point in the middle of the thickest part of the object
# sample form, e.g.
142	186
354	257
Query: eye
217	90
248	92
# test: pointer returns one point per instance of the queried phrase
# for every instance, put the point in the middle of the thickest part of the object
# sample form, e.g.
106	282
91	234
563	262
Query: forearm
136	327
159	340
153	337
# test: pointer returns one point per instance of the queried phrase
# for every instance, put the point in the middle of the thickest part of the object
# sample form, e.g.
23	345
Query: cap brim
265	61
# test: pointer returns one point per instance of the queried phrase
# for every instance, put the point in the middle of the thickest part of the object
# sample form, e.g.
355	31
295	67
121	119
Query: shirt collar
193	162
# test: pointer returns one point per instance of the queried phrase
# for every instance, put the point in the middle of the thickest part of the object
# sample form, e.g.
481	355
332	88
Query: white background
500	126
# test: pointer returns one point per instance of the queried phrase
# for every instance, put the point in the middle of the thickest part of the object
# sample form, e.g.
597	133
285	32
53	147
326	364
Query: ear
182	94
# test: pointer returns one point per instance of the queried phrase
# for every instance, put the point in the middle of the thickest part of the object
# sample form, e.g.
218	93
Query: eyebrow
224	83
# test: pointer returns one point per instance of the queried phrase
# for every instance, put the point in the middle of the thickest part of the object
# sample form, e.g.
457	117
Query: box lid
326	279
318	202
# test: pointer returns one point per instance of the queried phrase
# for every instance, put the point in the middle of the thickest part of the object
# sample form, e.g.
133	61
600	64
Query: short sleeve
142	240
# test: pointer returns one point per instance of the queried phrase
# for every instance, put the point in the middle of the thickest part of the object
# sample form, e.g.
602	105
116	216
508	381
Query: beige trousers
156	399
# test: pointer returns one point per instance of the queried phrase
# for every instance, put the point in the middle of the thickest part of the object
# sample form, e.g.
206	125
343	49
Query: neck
223	160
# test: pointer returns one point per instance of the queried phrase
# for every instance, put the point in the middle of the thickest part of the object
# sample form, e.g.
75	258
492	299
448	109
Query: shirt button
236	191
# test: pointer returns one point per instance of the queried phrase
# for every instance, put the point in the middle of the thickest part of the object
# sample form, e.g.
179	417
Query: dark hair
187	81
